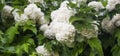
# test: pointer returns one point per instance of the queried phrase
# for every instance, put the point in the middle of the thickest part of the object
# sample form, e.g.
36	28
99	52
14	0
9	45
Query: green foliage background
16	40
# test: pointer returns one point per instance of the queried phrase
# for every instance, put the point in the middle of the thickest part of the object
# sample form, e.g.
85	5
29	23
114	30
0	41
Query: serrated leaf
19	51
78	49
48	46
30	25
25	47
33	29
40	39
11	32
95	45
31	41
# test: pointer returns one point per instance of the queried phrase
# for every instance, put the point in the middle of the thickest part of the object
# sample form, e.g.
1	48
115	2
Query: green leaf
48	46
33	54
30	25
117	34
31	41
1	32
32	28
25	47
10	49
11	32
40	39
95	45
115	50
74	18
78	49
92	53
19	51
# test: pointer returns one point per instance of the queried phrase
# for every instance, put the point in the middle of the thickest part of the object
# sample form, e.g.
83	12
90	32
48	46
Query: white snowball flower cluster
31	12
116	20
8	8
34	1
6	12
91	32
34	13
55	3
20	18
108	26
79	2
63	14
111	25
42	51
60	27
44	27
63	32
111	4
96	5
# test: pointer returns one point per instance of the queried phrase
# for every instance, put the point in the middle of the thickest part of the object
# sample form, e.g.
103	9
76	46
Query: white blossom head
116	20
34	1
63	14
96	5
79	2
8	8
89	33
20	18
34	13
55	3
65	38
64	4
111	4
44	27
64	32
42	51
49	34
108	26
6	12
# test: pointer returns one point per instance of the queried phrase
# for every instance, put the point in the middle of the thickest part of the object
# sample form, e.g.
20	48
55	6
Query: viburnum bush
59	27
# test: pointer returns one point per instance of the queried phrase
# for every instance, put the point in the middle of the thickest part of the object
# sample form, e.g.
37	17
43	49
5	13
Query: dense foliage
96	32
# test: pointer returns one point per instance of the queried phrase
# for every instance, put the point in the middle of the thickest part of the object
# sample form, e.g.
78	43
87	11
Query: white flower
20	18
55	3
90	33
6	12
63	32
23	17
41	50
79	2
33	1
111	4
34	13
8	9
63	14
66	38
95	23
108	26
49	34
44	27
116	20
96	5
60	27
